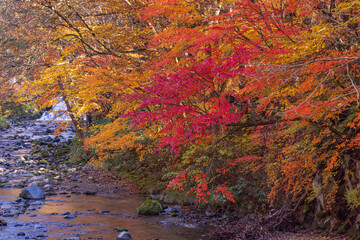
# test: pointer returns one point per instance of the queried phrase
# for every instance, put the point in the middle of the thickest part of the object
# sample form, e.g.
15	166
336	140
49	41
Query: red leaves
248	62
189	102
198	183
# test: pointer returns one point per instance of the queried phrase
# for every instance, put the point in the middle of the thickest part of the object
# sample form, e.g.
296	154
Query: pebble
104	211
69	216
124	236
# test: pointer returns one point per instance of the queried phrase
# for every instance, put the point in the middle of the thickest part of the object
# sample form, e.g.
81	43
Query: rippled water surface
90	222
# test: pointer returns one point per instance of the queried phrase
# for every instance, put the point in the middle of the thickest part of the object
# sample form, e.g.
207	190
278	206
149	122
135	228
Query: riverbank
30	153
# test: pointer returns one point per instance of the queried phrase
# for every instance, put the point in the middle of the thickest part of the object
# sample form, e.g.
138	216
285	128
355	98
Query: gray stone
168	210
34	184
32	193
9	214
177	207
68	215
171	221
124	236
154	197
37	203
104	211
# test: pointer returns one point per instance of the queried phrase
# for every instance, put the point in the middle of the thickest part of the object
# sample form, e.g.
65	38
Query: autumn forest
248	106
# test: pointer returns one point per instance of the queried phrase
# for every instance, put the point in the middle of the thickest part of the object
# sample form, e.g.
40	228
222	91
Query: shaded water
89	223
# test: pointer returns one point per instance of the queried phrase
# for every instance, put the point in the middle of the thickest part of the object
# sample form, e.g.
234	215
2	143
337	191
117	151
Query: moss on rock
150	207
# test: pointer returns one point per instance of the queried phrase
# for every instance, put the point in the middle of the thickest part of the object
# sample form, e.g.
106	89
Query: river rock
3	222
104	211
124	236
36	203
172	221
68	215
150	207
32	192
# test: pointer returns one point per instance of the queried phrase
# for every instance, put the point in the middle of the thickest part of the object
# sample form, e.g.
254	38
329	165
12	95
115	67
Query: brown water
89	223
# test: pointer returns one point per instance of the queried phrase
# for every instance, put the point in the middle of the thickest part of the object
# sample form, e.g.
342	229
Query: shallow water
47	220
89	223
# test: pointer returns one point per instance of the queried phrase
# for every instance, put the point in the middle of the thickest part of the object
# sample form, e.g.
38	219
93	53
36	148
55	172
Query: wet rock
104	211
168	210
27	175
20	234
150	207
33	184
3	222
90	193
19	164
190	225
32	192
120	229
20	200
36	203
177	207
208	214
124	236
11	214
41	236
68	215
154	197
48	187
172	221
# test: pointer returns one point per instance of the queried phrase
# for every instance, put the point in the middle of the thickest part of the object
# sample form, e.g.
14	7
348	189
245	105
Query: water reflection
90	222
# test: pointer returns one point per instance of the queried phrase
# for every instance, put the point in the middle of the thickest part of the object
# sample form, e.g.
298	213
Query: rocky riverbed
71	202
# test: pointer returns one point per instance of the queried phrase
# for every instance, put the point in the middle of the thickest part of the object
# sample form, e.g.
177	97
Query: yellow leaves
347	6
227	50
118	136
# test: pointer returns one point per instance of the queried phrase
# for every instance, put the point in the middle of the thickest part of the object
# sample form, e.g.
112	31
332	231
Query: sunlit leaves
282	76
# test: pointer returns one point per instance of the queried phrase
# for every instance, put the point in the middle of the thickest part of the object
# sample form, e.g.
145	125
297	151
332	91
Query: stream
95	216
46	222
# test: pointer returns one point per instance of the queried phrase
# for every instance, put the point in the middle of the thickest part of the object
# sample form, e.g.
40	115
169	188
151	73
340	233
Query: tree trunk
80	133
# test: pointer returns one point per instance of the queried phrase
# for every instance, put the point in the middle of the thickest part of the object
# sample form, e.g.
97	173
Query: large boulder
150	207
32	193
